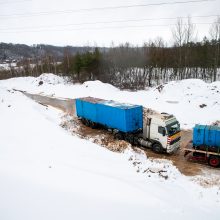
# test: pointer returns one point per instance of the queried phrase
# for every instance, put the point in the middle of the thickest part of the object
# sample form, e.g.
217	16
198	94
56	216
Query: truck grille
170	141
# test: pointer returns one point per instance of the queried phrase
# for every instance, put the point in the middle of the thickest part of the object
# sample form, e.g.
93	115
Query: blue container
217	137
210	136
206	135
124	117
198	135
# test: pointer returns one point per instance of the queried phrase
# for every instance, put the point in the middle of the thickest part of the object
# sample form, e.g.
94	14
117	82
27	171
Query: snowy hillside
191	101
46	173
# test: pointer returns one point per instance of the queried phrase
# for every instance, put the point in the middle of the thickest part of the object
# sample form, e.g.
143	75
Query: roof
110	103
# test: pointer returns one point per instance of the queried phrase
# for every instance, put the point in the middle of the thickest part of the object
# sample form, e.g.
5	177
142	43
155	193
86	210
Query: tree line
134	67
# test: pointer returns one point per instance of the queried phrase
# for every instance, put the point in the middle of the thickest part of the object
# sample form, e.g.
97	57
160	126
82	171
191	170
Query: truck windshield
173	128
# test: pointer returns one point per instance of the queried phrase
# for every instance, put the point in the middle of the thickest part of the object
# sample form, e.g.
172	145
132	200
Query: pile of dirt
70	123
98	136
117	146
216	123
207	182
149	111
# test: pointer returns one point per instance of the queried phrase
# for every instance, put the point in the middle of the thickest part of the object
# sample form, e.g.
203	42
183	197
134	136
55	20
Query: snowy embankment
191	101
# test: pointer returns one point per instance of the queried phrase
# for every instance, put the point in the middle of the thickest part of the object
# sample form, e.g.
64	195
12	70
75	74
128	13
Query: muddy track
66	105
105	138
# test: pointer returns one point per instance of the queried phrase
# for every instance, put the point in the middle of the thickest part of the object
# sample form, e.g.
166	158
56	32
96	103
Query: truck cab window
173	128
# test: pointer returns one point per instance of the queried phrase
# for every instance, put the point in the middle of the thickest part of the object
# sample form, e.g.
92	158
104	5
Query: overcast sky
21	21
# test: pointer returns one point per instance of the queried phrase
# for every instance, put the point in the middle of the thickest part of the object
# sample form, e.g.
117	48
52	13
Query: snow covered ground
192	101
46	173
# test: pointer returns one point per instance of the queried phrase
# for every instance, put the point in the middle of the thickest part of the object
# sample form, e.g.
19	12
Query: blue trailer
208	136
126	118
205	144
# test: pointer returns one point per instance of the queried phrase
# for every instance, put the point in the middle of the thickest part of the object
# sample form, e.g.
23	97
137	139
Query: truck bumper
173	148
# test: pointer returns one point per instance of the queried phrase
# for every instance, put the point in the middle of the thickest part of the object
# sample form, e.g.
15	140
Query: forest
135	67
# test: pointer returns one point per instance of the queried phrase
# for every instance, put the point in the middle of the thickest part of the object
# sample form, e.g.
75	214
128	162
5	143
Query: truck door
162	135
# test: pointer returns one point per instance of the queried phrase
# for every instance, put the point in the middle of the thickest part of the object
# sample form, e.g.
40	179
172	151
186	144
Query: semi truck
161	132
205	145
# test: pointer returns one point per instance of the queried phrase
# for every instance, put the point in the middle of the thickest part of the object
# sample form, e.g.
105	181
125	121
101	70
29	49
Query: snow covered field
191	101
46	173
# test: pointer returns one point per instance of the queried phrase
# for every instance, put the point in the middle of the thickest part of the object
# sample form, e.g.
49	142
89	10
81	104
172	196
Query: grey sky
51	27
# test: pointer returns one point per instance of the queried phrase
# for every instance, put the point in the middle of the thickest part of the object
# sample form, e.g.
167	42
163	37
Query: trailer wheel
129	139
157	148
83	121
93	125
119	136
136	141
214	161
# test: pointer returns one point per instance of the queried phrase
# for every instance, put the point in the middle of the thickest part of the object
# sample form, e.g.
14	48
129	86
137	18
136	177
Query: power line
103	8
13	2
107	22
100	28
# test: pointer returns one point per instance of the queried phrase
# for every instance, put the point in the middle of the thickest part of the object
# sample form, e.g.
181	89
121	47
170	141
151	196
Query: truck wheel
157	148
129	139
119	136
93	125
87	123
136	141
214	161
83	121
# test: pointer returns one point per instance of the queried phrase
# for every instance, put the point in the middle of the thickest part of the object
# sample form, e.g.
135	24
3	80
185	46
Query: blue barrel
121	116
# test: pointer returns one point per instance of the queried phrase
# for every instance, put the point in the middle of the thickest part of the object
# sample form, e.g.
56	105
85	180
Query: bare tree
189	31
215	35
190	36
179	33
179	36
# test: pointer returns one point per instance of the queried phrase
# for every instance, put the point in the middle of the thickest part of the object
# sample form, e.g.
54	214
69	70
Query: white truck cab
161	132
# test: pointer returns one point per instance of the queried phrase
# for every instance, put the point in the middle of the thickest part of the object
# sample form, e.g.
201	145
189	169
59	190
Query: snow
7	66
50	78
46	173
192	101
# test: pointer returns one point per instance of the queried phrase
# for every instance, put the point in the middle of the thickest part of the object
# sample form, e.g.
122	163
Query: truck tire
85	122
157	148
129	139
119	136
136	143
93	125
214	161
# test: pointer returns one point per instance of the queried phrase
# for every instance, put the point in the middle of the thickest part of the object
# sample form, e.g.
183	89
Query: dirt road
66	105
105	138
